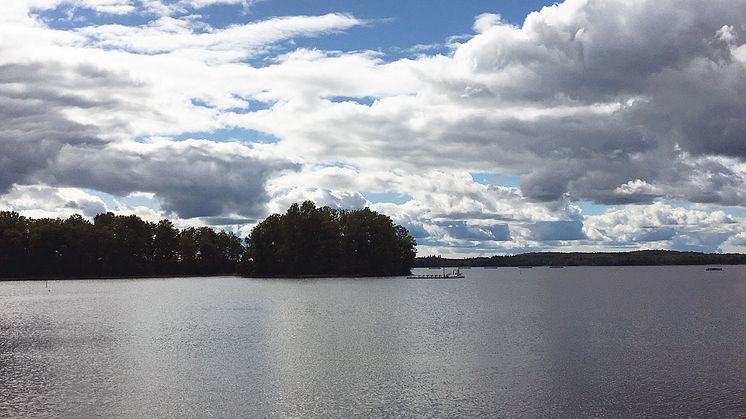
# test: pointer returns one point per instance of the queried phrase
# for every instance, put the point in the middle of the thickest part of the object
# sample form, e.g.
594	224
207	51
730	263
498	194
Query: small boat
455	274
714	269
556	267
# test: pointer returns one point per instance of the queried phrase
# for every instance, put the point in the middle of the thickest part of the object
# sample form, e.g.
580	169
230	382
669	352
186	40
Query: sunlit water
573	342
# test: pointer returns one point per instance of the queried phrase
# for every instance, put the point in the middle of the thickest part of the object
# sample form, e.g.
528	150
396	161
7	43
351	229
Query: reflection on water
576	342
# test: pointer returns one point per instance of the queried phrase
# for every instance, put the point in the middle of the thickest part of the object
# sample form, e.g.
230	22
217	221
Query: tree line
306	240
112	245
635	258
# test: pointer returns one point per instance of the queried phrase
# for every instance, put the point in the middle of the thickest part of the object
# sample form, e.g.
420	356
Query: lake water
574	342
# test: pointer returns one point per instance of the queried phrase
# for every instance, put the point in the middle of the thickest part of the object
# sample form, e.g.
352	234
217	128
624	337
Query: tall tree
165	247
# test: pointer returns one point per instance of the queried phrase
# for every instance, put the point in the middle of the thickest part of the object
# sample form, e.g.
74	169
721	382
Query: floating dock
455	274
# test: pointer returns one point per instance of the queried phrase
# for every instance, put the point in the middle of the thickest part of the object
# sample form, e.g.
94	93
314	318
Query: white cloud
638	187
40	201
187	37
608	101
486	21
669	227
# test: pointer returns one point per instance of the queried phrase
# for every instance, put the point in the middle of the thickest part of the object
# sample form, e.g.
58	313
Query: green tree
264	246
47	245
78	255
165	247
310	240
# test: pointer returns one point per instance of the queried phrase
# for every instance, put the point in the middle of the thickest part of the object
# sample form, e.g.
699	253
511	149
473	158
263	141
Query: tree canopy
113	245
310	240
306	240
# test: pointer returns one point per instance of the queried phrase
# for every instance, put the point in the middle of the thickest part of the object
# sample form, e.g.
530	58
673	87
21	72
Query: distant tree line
112	245
307	240
636	258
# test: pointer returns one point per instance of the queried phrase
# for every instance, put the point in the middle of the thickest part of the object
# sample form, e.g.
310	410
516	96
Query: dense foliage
643	257
307	240
113	245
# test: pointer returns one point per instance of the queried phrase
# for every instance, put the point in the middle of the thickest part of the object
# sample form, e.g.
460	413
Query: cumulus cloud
39	143
582	99
43	201
671	227
608	101
192	178
283	197
34	129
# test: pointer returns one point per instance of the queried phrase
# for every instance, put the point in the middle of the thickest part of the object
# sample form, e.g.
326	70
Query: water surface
573	342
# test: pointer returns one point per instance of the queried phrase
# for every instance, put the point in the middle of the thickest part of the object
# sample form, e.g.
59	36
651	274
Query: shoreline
90	278
577	266
236	275
333	276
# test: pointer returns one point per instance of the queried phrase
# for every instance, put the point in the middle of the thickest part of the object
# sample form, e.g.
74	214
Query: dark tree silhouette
307	240
113	245
14	243
165	247
304	241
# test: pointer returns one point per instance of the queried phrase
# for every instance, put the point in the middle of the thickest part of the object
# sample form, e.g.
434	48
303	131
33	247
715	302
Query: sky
484	127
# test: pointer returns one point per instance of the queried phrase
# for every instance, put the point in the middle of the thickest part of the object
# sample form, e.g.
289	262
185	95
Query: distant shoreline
334	276
635	258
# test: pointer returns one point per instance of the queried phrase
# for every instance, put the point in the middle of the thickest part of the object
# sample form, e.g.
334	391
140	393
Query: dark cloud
33	129
38	143
557	230
545	185
463	231
416	230
669	68
194	178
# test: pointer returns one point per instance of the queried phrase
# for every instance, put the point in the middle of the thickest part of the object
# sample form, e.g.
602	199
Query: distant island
305	241
638	258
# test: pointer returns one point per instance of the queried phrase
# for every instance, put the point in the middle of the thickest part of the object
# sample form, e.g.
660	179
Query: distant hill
642	257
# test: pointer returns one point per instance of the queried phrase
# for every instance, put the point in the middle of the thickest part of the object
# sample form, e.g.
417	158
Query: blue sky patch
591	208
66	17
557	230
364	100
495	179
386	197
462	230
130	201
395	25
231	134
